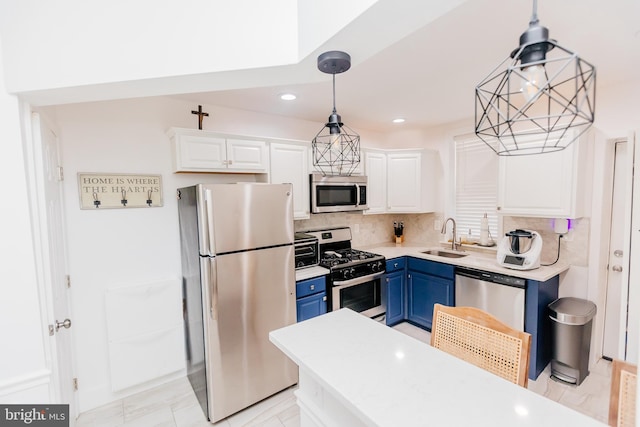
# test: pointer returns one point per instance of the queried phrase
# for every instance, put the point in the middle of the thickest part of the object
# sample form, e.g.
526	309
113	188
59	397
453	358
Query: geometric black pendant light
539	100
336	148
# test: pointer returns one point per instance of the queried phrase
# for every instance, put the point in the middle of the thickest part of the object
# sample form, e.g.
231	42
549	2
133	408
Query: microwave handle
358	194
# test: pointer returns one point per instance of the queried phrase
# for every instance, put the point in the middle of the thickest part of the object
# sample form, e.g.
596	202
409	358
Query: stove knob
381	266
345	273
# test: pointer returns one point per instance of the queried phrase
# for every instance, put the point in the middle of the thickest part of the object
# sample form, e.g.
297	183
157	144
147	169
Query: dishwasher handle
487	276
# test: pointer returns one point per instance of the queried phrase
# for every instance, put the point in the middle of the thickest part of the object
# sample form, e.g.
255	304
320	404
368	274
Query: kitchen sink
446	254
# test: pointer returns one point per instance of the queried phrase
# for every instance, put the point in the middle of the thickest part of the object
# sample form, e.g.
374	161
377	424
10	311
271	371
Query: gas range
356	278
343	261
351	263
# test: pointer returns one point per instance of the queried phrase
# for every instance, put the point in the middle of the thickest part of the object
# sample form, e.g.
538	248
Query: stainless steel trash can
571	334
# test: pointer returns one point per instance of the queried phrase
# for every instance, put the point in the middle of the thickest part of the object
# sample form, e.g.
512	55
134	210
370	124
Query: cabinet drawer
431	267
310	286
396	264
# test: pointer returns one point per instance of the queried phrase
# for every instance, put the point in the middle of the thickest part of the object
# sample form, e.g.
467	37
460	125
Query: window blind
476	186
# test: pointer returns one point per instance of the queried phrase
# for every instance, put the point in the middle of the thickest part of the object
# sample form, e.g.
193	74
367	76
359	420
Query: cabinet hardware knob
617	268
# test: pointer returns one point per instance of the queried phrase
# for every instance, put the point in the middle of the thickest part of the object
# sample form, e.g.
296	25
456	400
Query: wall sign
108	191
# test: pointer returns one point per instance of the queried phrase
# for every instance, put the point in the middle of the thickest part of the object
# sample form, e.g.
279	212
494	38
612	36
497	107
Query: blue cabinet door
311	298
396	294
311	306
424	291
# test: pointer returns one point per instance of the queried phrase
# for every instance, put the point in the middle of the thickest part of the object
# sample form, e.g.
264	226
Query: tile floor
175	405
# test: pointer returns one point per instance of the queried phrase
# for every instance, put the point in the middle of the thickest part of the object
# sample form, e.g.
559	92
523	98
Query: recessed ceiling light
288	96
398	120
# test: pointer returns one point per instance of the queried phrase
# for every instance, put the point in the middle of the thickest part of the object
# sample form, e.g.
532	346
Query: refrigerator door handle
205	222
209	279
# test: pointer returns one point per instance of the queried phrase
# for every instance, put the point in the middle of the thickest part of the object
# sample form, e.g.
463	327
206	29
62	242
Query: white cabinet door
400	181
547	185
204	151
376	170
404	182
247	155
290	164
199	153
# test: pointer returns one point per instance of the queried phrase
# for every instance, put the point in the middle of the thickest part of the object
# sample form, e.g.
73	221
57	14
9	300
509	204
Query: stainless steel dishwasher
498	294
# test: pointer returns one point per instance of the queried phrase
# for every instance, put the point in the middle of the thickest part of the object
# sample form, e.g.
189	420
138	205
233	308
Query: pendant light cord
534	14
558	256
334	93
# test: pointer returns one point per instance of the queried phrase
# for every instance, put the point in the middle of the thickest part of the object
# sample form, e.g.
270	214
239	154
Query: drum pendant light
336	148
540	99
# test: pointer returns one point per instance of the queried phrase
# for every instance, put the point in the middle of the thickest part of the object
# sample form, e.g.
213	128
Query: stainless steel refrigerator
238	285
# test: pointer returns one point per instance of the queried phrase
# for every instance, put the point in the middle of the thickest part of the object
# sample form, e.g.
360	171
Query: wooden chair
479	338
622	403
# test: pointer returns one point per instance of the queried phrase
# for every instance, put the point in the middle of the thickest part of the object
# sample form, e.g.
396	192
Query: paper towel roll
484	231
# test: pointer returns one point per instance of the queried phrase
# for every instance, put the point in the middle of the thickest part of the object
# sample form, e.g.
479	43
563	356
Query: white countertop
386	378
311	272
476	259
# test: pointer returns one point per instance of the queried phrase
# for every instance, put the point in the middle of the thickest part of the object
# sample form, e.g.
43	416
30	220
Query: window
476	186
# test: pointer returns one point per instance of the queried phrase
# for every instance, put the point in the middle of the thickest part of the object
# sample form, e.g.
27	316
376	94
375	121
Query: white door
54	261
615	316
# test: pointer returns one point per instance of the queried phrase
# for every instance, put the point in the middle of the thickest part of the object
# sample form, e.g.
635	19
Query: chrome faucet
454	243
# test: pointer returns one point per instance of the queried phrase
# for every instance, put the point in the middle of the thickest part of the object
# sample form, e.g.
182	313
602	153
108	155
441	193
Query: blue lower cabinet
396	287
396	297
311	298
423	291
311	306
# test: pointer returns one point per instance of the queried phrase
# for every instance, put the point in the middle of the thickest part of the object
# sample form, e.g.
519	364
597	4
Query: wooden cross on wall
200	114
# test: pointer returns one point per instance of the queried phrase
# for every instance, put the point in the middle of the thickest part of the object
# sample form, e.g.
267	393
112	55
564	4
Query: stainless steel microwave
336	193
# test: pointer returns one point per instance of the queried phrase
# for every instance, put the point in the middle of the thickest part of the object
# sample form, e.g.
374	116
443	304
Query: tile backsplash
574	247
419	229
375	229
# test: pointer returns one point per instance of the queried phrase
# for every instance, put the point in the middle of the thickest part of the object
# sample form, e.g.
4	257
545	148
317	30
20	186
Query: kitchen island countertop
478	260
355	371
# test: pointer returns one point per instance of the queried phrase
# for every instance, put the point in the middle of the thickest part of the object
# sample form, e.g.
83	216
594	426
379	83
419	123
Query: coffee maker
520	250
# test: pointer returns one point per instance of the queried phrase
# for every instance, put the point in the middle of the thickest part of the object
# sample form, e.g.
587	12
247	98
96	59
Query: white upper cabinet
376	167
400	181
551	185
203	151
290	164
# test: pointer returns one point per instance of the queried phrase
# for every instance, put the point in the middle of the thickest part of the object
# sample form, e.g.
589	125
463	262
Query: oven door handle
358	280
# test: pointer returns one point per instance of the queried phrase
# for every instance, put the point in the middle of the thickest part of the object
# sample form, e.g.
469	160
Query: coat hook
149	201
124	198
96	202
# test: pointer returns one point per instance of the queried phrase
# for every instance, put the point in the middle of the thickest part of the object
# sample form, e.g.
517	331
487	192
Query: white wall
76	39
24	372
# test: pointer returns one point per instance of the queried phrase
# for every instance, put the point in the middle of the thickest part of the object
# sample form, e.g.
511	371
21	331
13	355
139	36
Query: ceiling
428	78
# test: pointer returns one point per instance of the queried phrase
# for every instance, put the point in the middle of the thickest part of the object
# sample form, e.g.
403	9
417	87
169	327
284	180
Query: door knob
64	324
617	268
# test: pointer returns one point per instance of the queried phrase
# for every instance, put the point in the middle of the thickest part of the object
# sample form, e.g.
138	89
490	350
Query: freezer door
249	294
236	217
